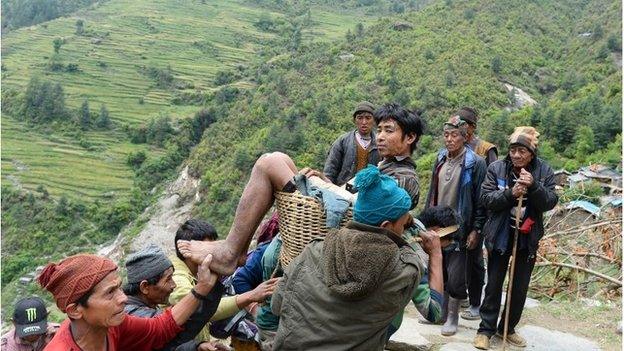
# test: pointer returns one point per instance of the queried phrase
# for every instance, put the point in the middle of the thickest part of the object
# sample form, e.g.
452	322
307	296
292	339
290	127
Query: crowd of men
347	291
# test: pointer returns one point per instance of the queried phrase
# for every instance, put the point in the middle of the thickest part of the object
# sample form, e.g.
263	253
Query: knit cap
379	198
73	277
525	136
455	122
147	263
364	106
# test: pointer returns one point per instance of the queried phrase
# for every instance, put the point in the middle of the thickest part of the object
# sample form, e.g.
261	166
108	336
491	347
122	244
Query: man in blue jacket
456	183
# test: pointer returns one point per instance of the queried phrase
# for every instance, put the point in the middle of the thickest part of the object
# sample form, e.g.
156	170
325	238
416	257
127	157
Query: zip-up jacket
498	200
340	163
469	209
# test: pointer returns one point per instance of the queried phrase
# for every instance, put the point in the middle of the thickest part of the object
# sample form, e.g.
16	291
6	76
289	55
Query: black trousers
454	267
497	270
475	274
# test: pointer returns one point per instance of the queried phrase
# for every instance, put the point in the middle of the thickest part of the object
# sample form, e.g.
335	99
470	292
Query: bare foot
224	259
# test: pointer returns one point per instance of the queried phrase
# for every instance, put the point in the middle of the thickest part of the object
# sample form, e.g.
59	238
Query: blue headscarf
379	198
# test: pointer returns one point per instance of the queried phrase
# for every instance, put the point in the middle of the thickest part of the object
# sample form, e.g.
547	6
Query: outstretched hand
206	279
264	290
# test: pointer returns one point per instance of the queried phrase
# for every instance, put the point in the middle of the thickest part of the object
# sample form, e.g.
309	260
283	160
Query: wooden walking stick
511	273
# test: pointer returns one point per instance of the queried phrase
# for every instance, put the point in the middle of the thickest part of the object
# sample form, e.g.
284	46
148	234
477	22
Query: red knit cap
74	276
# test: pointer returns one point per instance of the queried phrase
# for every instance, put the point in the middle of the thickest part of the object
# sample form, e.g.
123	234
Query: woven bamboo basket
301	220
244	345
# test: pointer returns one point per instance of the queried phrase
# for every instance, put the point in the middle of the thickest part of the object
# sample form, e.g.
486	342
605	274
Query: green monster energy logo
31	314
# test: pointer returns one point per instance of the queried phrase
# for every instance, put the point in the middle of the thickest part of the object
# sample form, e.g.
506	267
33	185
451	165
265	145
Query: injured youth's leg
270	173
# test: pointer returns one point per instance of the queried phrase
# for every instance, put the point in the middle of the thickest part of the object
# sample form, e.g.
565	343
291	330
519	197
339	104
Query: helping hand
205	278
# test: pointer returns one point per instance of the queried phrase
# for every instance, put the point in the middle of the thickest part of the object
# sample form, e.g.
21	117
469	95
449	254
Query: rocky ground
542	334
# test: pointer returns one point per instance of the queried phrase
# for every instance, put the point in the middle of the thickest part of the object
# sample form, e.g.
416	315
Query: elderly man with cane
516	192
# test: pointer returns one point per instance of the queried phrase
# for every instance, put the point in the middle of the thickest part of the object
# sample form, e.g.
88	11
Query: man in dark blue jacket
456	182
149	284
521	175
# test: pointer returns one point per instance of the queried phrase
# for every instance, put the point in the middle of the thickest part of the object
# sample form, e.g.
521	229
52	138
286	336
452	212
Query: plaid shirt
403	169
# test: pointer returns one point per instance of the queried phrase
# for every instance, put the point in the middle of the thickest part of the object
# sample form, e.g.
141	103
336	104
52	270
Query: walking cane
511	274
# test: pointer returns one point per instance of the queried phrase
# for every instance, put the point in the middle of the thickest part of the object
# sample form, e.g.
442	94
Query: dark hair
133	289
409	121
82	301
194	229
466	116
438	216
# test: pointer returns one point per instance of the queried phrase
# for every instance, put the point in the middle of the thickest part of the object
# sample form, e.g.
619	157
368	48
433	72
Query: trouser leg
490	307
522	278
475	274
455	273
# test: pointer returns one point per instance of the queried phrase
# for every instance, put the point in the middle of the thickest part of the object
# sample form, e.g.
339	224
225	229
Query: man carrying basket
398	133
341	293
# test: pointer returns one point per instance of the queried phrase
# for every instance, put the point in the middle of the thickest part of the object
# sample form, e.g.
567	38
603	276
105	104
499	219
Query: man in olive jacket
355	149
521	175
341	293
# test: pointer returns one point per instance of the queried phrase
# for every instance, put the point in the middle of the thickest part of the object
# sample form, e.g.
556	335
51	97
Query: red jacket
134	333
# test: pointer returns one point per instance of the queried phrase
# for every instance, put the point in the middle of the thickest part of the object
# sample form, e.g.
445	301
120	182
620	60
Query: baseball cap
30	317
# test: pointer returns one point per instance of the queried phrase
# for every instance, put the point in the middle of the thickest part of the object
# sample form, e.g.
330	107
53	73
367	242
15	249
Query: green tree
79	27
497	64
393	82
377	49
103	120
584	143
136	159
85	115
564	129
295	40
62	206
349	36
614	43
359	30
57	43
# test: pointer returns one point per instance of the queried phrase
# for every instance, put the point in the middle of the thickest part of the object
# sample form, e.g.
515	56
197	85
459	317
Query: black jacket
497	198
196	322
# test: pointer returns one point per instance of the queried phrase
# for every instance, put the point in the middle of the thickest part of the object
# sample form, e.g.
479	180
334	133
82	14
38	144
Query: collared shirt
12	342
448	180
363	141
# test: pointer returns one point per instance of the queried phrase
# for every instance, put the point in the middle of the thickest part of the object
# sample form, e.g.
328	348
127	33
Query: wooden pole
511	274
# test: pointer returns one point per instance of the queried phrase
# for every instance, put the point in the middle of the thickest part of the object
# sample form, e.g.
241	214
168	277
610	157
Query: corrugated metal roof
585	205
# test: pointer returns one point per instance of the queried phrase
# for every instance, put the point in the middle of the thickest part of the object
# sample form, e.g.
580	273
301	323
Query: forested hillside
101	107
565	54
101	104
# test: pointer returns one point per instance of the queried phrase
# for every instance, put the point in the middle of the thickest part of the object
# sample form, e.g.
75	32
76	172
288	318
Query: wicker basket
301	220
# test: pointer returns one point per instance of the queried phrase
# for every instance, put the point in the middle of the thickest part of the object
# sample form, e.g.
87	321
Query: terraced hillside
120	46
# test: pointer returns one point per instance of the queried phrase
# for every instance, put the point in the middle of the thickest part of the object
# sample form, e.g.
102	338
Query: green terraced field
63	166
123	37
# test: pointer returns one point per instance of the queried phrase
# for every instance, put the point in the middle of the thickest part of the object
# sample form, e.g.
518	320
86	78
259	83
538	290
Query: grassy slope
141	34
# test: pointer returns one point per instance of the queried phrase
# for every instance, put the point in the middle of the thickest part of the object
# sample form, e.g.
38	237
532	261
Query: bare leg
270	173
